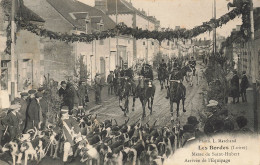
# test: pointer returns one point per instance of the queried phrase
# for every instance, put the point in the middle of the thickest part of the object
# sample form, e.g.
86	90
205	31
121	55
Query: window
168	43
128	41
144	43
152	43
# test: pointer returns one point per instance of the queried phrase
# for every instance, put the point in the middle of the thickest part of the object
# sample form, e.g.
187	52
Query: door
25	75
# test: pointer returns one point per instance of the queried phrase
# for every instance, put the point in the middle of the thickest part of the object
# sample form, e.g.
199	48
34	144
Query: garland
138	33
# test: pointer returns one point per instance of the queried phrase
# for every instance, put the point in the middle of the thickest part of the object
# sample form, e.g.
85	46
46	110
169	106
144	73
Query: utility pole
254	66
12	51
117	55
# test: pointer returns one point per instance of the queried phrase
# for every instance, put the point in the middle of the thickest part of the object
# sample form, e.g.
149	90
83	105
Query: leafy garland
138	33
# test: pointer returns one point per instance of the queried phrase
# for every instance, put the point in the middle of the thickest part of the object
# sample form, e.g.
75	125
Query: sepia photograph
129	82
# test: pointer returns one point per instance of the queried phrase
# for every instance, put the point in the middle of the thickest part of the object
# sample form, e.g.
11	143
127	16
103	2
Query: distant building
132	17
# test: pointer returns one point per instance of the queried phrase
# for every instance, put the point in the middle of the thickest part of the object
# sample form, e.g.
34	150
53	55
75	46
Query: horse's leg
143	106
151	110
171	107
133	106
183	109
178	105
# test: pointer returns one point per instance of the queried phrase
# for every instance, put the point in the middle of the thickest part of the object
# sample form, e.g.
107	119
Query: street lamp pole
12	51
117	56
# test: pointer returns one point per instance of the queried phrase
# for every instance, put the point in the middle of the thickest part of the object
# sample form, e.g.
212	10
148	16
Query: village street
161	108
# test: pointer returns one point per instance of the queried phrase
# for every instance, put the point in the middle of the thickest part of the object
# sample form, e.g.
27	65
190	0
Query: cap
38	94
32	91
24	94
41	89
111	71
212	103
192	120
63	82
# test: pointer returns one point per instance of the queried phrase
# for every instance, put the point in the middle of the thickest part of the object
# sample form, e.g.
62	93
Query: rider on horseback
192	64
163	65
128	74
175	77
147	73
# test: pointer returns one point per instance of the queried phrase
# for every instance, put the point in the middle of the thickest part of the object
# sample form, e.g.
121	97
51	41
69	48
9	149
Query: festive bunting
138	33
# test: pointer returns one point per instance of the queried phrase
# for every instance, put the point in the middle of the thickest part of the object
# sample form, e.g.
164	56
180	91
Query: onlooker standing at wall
98	87
235	87
110	82
71	97
82	92
244	85
24	105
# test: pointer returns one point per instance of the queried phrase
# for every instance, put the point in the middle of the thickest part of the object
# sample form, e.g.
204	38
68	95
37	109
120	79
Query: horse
162	76
124	88
177	91
189	75
145	92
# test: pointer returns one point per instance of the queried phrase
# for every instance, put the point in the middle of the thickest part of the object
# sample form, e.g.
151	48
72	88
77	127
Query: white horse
189	76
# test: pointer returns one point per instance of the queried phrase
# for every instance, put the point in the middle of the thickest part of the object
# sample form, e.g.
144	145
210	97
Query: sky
186	13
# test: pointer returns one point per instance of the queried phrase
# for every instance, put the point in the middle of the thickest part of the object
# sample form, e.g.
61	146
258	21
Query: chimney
238	27
101	5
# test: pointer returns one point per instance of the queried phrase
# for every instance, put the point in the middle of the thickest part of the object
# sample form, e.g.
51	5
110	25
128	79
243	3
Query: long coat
33	114
72	97
244	83
235	86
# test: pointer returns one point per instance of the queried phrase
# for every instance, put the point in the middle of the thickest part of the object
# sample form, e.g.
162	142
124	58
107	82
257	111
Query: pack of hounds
97	142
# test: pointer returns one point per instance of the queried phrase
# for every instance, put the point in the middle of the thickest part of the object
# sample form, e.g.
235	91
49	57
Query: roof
67	8
29	15
124	7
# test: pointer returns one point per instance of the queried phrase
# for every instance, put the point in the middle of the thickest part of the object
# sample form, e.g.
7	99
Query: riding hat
32	91
24	94
38	94
63	82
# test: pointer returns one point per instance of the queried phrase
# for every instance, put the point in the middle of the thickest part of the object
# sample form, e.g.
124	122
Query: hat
244	72
192	120
41	89
111	71
63	82
38	94
64	109
24	94
212	103
188	128
32	91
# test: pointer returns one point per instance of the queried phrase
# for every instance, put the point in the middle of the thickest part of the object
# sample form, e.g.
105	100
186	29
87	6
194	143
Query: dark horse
177	91
162	76
145	92
124	88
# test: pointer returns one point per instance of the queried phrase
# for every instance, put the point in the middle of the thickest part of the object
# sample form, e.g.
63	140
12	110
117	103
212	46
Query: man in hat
12	121
31	95
110	81
235	87
24	105
244	85
72	98
98	87
34	113
62	90
82	92
41	89
192	64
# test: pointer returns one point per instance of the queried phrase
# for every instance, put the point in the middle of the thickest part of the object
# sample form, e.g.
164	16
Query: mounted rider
127	74
192	64
147	73
174	76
